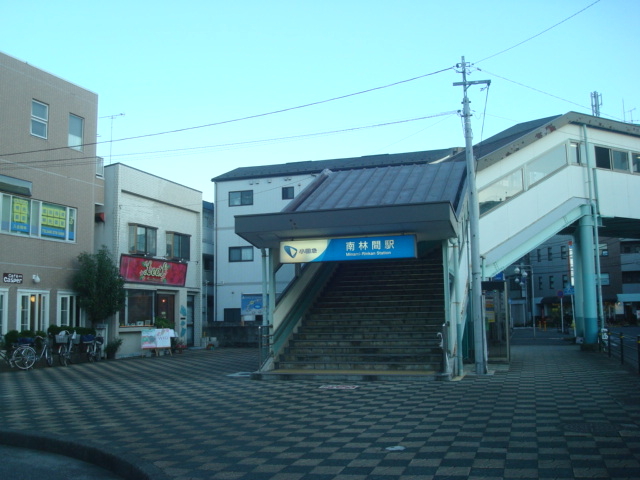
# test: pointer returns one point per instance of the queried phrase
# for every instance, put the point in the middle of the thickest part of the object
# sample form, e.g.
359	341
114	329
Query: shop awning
628	297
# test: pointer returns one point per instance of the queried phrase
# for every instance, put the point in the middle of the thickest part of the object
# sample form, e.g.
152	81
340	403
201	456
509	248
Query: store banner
146	270
346	249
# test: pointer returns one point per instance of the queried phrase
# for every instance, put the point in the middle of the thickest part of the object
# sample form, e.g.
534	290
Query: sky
191	90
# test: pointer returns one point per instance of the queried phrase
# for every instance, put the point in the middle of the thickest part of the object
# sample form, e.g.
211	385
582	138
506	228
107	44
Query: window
76	130
68	310
540	285
4	294
603	159
244	197
620	160
546	164
574	152
552	282
565	281
39	118
631	277
604	279
549	254
287	193
241	254
178	246
33	218
635	162
99	167
142	240
538	255
32	310
563	252
500	191
629	247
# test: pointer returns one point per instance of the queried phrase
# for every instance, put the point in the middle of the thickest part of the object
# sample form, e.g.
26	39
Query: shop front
154	295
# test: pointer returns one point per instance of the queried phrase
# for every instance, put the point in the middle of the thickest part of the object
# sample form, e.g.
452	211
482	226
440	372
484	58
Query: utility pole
479	335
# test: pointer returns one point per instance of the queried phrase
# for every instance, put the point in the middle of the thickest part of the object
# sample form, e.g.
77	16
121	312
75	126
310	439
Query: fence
626	348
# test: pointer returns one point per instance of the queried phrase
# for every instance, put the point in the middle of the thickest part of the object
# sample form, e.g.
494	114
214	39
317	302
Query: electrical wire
250	117
63	162
538	34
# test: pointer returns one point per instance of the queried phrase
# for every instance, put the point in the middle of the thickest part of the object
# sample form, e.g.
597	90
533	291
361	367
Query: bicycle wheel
90	353
24	357
98	353
48	356
62	355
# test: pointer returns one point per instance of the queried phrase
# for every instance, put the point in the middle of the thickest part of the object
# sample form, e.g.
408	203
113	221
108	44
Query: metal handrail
621	346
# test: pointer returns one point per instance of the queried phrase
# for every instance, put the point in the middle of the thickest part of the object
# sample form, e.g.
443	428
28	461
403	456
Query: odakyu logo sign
351	248
303	251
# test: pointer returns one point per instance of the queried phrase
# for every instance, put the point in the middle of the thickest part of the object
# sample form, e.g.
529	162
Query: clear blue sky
176	65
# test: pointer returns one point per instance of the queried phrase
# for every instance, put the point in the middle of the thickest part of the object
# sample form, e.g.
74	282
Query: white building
153	228
269	189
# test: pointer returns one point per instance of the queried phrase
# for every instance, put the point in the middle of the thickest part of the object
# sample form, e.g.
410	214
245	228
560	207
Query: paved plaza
555	413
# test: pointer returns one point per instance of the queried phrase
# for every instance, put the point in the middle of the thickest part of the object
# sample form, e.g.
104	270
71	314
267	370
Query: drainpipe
595	212
265	307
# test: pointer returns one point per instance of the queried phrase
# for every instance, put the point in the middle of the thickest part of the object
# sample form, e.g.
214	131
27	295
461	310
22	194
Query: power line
538	34
62	162
250	117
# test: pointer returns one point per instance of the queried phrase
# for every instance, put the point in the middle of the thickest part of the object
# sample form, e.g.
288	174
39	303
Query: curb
128	469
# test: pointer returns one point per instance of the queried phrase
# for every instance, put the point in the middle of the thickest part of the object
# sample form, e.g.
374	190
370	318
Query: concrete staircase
374	321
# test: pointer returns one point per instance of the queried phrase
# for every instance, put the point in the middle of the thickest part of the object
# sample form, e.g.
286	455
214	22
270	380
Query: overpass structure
573	174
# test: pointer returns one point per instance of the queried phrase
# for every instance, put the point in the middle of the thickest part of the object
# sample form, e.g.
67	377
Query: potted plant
112	347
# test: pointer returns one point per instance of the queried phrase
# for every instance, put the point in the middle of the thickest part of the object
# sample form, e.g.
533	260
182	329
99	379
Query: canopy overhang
428	221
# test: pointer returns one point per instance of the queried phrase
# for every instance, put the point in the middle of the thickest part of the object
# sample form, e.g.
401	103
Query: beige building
50	184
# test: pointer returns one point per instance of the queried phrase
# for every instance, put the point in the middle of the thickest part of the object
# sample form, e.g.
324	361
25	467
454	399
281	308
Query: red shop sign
146	270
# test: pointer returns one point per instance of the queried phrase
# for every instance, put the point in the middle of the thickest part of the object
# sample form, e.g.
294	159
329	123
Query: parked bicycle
20	355
64	339
45	351
94	347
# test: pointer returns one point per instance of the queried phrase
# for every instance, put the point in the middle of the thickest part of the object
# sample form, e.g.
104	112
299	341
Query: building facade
51	183
153	228
269	189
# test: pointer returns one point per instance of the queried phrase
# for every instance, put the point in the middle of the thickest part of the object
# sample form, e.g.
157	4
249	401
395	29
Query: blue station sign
346	249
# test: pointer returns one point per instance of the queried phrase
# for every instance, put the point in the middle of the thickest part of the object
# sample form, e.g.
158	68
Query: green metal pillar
590	299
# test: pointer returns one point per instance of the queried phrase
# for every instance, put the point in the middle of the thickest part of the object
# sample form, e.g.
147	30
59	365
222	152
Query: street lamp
520	270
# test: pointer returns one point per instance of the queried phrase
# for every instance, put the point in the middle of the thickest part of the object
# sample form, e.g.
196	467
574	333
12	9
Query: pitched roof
338	164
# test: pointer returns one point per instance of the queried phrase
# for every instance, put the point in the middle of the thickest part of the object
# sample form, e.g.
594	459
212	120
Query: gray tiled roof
383	186
317	166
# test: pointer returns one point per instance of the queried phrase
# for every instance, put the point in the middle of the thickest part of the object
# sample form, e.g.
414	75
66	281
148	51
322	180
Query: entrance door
191	302
33	311
165	307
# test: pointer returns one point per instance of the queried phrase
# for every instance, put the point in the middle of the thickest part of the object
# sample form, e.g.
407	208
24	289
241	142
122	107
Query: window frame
37	219
240	198
36	119
242	250
76	146
151	241
183	243
288	193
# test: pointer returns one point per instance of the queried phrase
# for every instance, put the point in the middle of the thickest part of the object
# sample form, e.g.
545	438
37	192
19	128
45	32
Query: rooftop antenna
112	117
624	113
596	102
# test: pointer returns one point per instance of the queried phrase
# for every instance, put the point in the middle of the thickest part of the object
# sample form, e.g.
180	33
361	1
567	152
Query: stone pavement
555	412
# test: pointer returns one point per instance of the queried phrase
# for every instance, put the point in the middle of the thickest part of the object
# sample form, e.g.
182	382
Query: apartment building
50	185
153	228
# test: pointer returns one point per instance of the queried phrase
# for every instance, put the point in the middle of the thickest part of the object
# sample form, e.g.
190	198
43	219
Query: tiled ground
555	413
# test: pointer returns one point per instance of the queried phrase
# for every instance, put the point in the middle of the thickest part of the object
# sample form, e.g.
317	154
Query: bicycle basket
62	337
87	338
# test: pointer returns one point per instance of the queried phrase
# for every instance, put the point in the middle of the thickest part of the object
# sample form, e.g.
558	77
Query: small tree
99	286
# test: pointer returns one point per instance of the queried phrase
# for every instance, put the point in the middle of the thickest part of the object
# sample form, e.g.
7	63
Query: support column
578	304
590	304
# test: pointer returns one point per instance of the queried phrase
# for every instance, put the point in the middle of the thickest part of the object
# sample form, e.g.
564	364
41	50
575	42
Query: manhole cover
594	428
